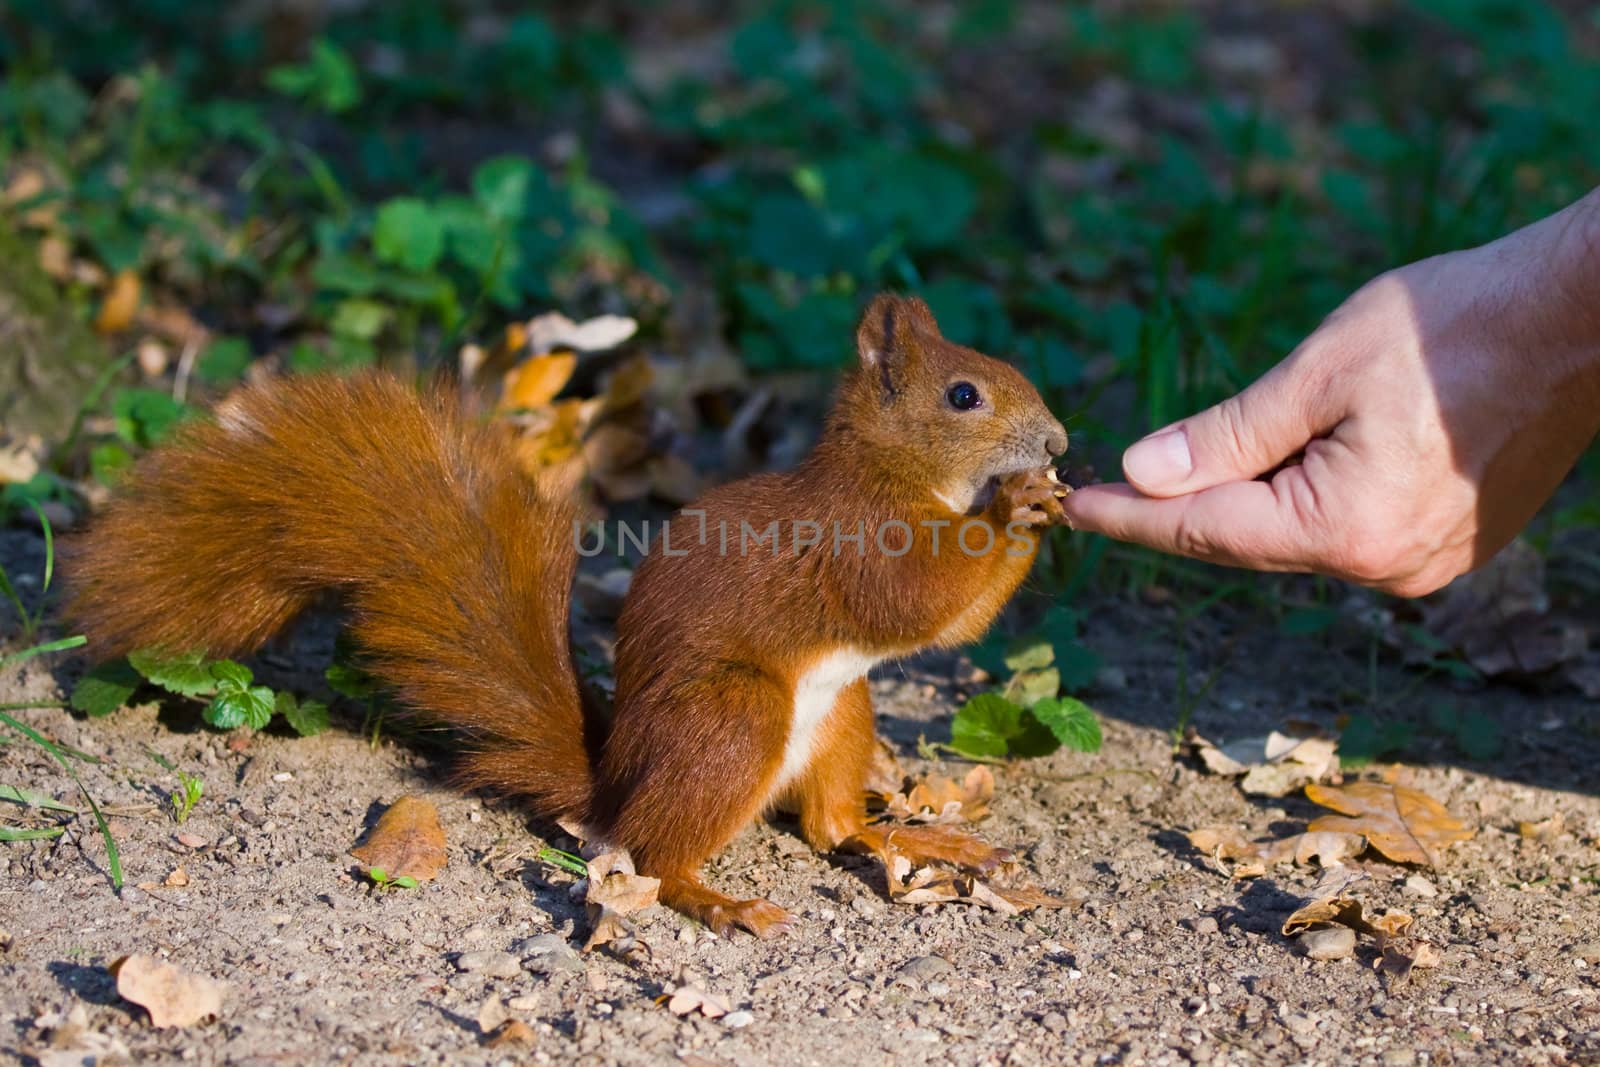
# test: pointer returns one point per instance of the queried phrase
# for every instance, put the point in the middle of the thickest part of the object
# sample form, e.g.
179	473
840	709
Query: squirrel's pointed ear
886	340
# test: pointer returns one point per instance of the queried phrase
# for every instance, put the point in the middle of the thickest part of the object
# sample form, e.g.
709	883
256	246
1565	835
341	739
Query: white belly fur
814	697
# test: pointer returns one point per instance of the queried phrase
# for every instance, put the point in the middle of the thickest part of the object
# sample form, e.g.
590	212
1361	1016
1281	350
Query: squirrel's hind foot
688	895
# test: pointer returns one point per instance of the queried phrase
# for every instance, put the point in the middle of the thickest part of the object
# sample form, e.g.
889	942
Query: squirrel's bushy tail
456	568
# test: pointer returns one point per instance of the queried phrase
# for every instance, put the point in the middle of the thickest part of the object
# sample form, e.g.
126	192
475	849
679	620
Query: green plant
383	883
30	623
564	860
186	796
61	753
1028	714
227	688
349	679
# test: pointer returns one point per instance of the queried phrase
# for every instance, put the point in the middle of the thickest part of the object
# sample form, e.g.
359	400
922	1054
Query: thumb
1244	436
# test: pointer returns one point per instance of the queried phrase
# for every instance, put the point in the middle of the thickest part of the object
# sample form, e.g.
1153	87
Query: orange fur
458	576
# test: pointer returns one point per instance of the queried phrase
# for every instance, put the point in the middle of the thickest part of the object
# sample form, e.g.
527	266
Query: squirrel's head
968	418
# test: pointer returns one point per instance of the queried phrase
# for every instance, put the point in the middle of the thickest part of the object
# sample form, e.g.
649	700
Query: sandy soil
1166	961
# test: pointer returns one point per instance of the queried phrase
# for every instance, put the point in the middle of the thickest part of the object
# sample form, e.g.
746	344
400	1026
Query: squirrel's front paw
1032	497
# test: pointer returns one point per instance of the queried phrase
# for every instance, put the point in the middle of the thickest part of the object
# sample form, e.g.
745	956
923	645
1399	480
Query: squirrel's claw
1033	497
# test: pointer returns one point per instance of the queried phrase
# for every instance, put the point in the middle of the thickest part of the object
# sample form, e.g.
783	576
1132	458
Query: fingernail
1158	462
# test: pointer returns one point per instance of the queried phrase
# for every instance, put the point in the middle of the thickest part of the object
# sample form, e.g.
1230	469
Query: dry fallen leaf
886	777
1226	843
173	997
1405	825
1399	951
19	459
512	1032
554	331
1343	910
1545	829
74	1044
1401	955
536	381
1499	618
691	998
614	893
1273	765
936	799
1003	889
177	879
121	302
407	842
628	384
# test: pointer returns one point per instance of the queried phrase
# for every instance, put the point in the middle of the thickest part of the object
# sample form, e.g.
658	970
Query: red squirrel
741	661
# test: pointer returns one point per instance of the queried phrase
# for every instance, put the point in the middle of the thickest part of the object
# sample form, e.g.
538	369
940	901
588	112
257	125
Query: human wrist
1568	253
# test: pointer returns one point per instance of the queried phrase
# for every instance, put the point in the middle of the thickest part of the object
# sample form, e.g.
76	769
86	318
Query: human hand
1434	413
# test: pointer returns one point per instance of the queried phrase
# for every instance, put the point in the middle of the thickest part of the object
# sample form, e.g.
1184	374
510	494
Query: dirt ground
1166	961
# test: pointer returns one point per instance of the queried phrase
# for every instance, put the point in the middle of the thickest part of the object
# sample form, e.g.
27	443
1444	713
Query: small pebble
548	954
493	964
737	1020
283	776
1329	943
1588	951
188	840
1054	1022
923	968
1205	925
1418	886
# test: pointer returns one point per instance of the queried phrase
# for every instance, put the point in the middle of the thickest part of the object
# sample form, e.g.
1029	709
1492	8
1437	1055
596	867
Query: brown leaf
691	998
1498	617
886	775
1342	910
1403	954
1545	829
628	384
938	800
555	435
407	842
509	1033
173	324
1003	889
536	381
177	879
173	997
121	302
615	892
617	456
1225	843
1405	825
1273	765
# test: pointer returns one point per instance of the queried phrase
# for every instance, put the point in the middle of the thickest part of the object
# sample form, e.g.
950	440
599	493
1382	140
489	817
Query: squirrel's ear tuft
886	338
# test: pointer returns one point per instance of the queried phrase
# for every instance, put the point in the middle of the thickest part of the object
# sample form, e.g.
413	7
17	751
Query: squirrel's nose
1055	439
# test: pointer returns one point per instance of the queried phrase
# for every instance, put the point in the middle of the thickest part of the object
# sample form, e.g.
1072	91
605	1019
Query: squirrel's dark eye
963	396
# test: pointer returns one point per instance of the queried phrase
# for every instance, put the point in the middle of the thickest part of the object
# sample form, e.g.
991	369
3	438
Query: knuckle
1190	539
1231	434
